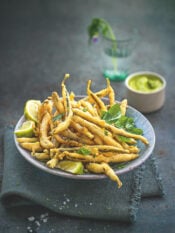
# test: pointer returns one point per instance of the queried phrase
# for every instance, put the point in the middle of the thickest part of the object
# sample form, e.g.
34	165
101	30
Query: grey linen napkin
96	199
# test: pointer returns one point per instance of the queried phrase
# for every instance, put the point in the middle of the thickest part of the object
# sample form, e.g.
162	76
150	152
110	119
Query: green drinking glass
118	53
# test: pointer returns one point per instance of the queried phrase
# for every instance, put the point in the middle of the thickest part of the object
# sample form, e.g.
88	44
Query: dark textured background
42	40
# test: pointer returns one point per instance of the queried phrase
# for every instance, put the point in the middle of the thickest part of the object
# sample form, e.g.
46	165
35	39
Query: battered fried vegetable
68	110
104	169
97	131
102	157
93	119
81	130
45	107
96	100
111	93
125	133
123	106
52	163
87	107
57	102
41	156
44	131
22	140
102	148
32	146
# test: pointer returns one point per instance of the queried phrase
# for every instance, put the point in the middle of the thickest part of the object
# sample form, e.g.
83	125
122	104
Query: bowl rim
132	75
133	164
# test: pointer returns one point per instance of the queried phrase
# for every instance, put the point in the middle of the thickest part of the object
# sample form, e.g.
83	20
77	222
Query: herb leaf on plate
115	117
83	151
112	115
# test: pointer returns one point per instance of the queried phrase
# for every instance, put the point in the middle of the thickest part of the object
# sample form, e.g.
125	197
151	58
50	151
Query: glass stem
114	61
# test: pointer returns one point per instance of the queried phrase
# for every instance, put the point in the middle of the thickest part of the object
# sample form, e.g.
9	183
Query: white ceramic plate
145	150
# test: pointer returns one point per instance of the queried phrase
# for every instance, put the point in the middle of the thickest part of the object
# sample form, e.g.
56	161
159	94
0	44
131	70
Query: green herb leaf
128	124
106	132
58	117
123	139
83	151
136	131
119	165
113	114
84	109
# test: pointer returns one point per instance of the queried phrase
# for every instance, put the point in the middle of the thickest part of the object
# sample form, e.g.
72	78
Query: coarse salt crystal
37	223
45	220
44	215
32	218
29	229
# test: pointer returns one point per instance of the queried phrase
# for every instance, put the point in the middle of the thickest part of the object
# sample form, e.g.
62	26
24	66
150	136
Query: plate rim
89	176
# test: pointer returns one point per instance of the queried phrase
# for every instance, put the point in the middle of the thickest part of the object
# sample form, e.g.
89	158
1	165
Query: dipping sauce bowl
145	91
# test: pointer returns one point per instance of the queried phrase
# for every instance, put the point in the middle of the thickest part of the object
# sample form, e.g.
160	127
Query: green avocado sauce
145	83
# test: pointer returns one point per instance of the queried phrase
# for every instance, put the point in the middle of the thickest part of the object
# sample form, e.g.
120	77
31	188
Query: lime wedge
71	166
26	129
31	110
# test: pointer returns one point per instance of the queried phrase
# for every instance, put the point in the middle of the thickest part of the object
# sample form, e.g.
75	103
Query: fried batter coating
104	169
21	140
32	146
43	130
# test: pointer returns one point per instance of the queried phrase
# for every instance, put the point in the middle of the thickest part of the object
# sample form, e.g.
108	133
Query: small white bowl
145	102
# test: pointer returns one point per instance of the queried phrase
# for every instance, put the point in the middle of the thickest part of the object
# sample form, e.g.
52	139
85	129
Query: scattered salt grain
31	219
44	215
29	229
52	230
37	223
45	220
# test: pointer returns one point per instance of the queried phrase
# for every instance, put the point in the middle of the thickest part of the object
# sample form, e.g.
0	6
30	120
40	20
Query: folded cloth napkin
96	199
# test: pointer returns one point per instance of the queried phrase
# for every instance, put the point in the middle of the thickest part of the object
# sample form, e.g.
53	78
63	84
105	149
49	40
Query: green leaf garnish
106	132
123	139
58	117
83	151
119	165
114	116
128	124
84	109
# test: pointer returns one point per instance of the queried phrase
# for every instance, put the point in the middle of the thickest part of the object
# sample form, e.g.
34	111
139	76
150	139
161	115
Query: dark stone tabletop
40	41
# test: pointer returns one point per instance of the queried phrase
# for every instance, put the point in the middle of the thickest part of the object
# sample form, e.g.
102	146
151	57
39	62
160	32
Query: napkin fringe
136	198
157	175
